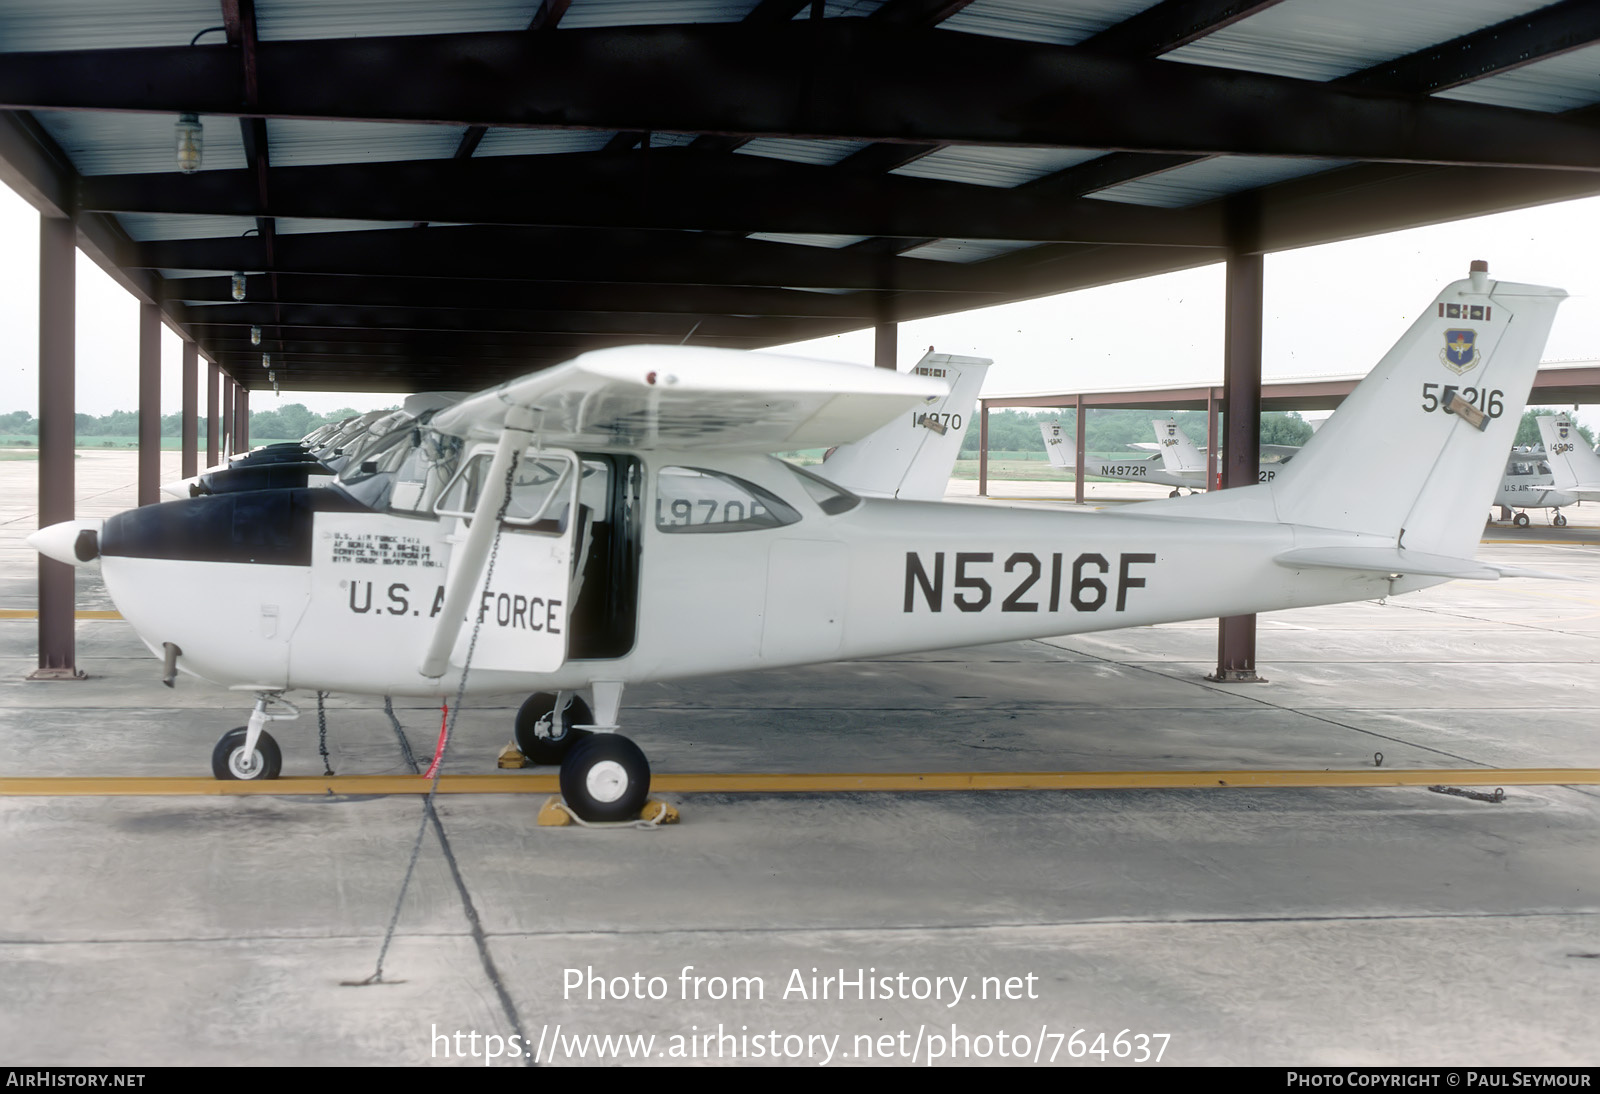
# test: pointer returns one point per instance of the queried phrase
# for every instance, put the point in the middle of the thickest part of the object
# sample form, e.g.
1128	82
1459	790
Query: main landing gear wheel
228	760
550	750
605	777
1521	520
1561	520
1176	493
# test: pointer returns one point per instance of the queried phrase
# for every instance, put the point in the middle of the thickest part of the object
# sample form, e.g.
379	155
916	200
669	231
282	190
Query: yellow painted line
125	786
32	613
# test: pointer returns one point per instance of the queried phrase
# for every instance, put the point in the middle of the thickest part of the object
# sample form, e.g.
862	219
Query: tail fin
914	460
1058	446
1573	464
1178	453
1416	452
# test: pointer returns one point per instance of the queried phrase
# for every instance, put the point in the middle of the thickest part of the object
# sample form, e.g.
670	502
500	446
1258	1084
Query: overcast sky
1330	310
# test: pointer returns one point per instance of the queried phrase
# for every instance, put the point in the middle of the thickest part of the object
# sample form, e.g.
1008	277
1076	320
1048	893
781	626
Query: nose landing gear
249	752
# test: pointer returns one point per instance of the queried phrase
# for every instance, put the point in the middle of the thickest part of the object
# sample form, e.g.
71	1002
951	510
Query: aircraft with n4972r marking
618	519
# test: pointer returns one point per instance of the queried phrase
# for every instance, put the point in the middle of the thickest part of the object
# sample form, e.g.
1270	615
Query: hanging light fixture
238	286
266	360
191	140
255	336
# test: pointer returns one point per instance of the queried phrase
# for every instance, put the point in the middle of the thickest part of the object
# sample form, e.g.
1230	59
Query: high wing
695	398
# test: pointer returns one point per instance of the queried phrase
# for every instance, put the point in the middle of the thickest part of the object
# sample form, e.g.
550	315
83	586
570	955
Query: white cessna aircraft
1573	464
618	520
1181	464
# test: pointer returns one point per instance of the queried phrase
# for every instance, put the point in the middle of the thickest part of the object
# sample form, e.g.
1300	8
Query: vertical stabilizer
1061	449
1416	452
912	457
1573	464
1178	453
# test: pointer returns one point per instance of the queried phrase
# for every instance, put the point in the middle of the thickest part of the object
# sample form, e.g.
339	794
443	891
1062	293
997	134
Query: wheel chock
510	757
555	814
659	812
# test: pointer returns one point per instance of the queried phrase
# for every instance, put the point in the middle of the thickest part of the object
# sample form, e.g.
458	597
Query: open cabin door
524	591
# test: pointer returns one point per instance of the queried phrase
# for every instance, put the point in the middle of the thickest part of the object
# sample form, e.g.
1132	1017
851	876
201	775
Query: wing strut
469	564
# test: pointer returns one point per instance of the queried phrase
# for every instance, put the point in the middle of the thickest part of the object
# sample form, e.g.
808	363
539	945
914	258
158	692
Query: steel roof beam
536	296
1171	24
670	189
1504	47
553	254
399	323
862	81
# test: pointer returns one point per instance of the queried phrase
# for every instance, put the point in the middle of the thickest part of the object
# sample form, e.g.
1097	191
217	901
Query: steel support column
213	414
189	424
885	344
149	404
983	449
1212	455
241	424
1241	411
1081	417
227	416
57	436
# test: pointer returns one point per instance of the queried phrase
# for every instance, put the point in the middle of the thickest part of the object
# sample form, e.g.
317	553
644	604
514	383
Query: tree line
286	423
1114	430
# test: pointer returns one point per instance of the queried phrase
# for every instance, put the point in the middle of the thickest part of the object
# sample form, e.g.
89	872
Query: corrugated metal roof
671	140
1312	40
808	239
619	13
540	142
1561	83
280	20
296	143
966	250
1042	20
825	153
291	226
28	26
987	165
116	144
1212	178
843	9
145	226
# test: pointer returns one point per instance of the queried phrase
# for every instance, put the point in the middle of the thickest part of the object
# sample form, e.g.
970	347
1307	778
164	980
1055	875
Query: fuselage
678	568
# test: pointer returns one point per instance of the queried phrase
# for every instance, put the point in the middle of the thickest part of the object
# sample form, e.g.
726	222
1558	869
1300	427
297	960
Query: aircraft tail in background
913	459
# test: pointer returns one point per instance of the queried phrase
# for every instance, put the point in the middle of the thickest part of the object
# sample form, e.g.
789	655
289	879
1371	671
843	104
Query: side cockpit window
690	499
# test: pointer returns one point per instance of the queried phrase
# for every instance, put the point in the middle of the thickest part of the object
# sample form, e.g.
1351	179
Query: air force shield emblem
1460	353
1562	428
1172	430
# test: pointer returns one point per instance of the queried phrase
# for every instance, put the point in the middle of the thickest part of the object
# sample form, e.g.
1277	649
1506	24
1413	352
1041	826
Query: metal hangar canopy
423	195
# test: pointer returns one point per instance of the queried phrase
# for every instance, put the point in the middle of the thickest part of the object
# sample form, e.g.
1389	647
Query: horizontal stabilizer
1395	560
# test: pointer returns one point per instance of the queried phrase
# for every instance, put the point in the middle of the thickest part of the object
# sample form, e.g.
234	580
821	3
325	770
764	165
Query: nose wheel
1560	519
1521	520
605	777
230	760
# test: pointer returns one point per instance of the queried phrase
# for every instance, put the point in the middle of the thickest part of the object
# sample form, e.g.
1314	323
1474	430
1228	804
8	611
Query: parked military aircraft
1574	467
618	520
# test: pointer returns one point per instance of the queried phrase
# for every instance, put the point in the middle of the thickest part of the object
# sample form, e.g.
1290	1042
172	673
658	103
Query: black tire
1521	520
605	777
549	751
1561	520
1175	493
227	758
